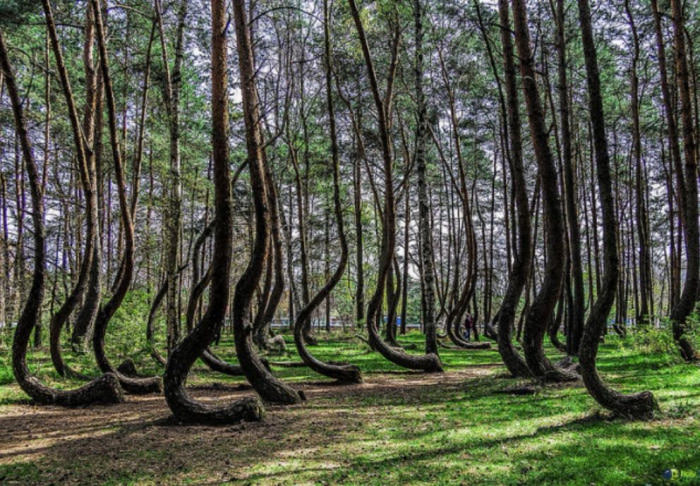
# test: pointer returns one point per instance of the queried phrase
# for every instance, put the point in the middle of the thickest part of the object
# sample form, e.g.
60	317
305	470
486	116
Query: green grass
456	430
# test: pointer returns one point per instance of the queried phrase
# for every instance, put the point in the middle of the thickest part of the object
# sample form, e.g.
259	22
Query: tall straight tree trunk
327	266
20	205
359	239
4	243
642	220
292	297
426	241
38	329
641	405
521	266
688	297
573	337
675	165
3	252
404	284
5	249
173	220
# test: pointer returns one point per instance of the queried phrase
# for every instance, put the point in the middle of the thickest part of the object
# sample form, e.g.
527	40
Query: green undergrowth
458	430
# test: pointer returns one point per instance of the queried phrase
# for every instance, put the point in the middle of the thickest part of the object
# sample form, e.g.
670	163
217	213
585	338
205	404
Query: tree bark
106	312
577	311
191	347
426	241
76	294
686	303
641	405
539	313
521	266
104	389
428	362
270	388
173	219
642	220
342	372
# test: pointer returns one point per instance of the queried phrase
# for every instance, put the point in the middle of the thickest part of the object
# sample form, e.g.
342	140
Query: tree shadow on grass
393	427
141	449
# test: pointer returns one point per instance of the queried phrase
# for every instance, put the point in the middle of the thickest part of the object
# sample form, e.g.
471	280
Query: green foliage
652	340
132	311
682	409
659	340
6	376
398	428
126	336
13	12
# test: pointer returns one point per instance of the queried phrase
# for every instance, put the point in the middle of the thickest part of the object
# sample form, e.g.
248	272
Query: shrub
652	340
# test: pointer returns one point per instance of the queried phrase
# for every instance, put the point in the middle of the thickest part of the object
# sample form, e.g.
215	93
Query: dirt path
135	442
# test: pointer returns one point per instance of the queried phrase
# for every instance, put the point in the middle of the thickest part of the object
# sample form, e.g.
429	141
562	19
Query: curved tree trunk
86	170
208	357
184	354
86	162
341	372
85	320
198	285
308	336
270	388
106	312
103	389
461	297
217	364
455	316
428	362
453	332
555	323
392	296
260	327
278	287
198	288
538	315
641	405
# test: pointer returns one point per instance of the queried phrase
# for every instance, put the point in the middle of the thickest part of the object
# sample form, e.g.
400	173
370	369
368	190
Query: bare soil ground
136	442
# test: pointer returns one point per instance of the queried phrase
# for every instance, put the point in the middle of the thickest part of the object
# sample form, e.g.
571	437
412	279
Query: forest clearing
349	242
397	427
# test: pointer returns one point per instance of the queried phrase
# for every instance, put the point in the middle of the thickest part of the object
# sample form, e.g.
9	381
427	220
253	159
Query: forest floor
396	428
